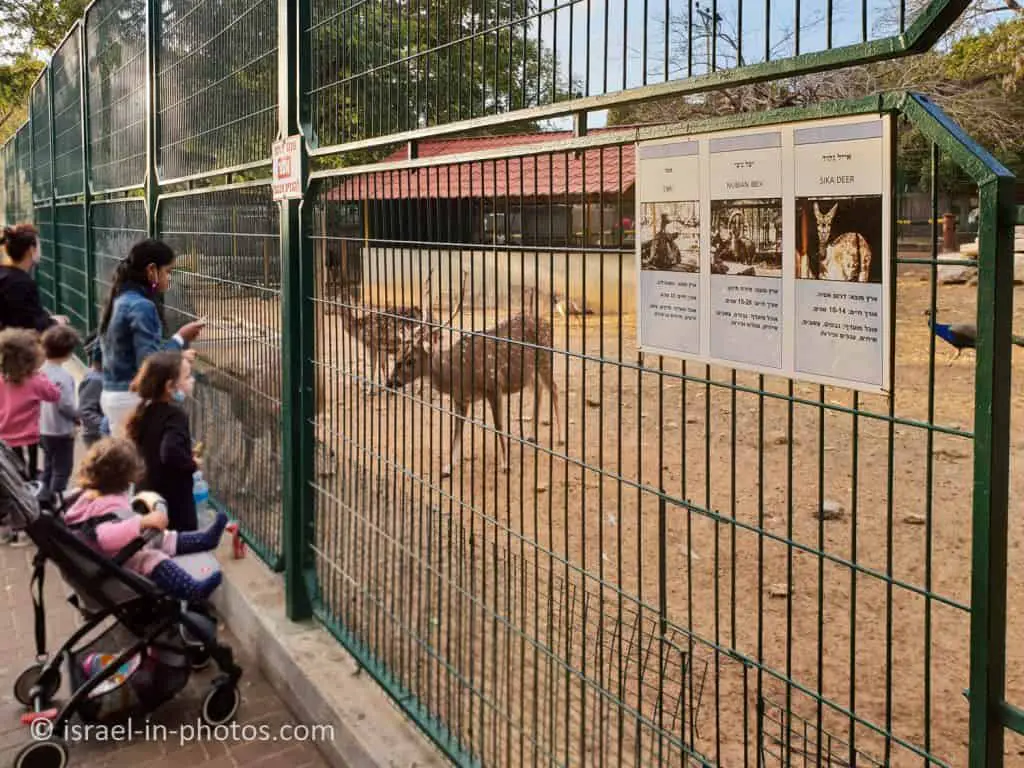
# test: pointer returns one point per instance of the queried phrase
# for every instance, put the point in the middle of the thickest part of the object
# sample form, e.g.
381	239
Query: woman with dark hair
20	306
132	327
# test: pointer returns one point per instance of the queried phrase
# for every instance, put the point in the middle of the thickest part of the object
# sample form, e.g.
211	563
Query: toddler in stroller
103	513
139	640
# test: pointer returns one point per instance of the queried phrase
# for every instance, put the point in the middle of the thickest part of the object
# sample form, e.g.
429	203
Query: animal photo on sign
839	238
670	237
746	237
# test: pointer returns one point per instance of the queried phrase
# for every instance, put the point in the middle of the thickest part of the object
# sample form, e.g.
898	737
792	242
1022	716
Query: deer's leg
494	400
458	422
247	450
548	377
371	384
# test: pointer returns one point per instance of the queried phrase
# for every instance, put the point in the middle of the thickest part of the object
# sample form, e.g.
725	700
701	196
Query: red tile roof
606	170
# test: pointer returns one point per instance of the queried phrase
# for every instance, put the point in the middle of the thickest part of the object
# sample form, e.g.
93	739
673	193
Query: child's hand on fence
190	331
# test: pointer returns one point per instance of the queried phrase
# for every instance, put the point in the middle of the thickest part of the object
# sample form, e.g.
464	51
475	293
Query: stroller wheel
28	679
221	704
199	658
42	754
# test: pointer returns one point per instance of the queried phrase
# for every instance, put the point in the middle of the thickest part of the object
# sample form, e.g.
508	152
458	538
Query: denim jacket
135	332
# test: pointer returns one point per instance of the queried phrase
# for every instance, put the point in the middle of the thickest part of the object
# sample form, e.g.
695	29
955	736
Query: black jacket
165	442
20	306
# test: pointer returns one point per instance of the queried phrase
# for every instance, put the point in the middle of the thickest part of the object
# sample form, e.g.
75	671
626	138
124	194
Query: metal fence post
296	335
58	304
991	472
152	120
90	267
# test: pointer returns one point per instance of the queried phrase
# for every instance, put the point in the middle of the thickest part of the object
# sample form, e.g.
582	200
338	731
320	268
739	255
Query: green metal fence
654	579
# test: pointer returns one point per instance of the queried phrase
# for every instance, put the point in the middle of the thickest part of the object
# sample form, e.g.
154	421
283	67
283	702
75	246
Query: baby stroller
136	648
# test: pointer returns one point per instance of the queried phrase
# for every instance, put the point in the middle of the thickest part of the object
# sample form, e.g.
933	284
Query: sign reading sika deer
500	361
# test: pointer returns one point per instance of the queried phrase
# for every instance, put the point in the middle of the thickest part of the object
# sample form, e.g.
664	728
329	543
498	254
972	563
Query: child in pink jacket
108	471
23	390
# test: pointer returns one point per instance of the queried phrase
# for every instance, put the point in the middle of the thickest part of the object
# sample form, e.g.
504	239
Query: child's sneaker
19	540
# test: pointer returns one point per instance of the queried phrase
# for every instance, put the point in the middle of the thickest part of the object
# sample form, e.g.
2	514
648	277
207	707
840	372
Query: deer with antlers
384	332
500	361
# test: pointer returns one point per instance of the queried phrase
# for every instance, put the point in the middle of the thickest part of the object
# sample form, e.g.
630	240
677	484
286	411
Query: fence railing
670	562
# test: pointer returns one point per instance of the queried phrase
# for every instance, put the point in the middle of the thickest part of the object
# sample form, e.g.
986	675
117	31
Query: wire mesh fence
42	141
70	260
46	271
114	227
229	272
68	160
217	85
23	154
115	32
546	594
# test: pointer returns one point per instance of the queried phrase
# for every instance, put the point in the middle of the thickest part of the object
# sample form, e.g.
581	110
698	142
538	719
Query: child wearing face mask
160	429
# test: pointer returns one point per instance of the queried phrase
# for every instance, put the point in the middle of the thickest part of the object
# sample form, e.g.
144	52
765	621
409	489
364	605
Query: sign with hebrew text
769	250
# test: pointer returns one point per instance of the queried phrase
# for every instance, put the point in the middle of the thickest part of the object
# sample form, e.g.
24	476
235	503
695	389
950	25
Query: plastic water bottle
205	515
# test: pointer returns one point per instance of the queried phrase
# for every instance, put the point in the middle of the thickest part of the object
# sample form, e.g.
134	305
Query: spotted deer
383	332
499	361
846	258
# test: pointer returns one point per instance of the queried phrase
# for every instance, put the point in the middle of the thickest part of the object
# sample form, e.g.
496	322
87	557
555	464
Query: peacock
961	336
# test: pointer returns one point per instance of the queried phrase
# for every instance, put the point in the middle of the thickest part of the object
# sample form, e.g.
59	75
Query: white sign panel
287	168
841	217
669	246
769	250
746	249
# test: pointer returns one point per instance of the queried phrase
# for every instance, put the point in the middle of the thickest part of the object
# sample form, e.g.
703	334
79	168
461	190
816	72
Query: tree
975	77
386	68
16	79
28	26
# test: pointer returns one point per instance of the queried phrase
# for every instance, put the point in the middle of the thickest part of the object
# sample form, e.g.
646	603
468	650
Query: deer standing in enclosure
500	361
847	258
383	332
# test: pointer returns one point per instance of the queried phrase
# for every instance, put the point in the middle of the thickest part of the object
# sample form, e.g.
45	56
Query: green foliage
387	68
16	78
32	25
37	25
997	53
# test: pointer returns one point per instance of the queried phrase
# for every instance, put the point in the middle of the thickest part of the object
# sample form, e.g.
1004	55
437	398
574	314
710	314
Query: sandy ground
525	608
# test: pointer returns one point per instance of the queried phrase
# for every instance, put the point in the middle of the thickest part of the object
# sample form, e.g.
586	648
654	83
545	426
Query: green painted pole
152	118
991	472
297	333
90	267
58	304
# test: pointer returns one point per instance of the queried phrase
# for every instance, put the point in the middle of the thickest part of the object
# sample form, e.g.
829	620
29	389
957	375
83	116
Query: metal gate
670	562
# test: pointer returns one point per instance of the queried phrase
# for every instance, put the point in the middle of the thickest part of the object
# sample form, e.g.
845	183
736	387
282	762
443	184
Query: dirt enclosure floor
632	595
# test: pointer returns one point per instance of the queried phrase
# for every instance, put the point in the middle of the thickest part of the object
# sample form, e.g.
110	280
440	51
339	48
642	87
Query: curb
313	674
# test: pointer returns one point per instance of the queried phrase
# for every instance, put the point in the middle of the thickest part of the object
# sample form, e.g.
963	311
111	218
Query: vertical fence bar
152	118
991	471
83	103
58	304
296	331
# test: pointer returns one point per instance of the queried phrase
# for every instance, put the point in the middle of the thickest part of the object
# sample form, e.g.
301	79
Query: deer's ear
817	210
833	211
